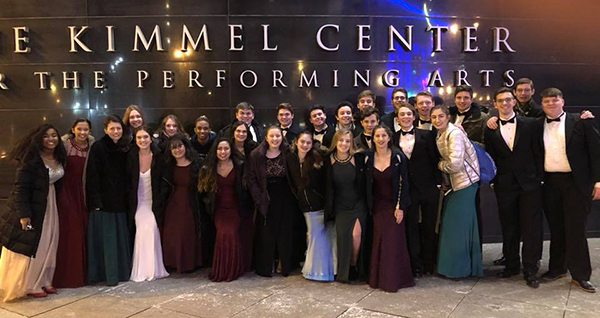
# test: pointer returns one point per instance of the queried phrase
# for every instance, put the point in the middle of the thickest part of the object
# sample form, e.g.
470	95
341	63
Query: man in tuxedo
424	103
285	117
320	128
365	98
468	114
244	112
399	95
369	118
517	152
419	147
572	180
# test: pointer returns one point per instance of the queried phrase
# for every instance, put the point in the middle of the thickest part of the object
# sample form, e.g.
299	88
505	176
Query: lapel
518	130
501	141
569	126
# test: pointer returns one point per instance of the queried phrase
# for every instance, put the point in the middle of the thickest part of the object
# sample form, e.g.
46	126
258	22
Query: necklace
74	144
341	161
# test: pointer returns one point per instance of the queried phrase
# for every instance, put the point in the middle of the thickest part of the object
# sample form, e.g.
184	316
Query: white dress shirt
253	133
424	126
319	137
396	125
407	143
508	131
460	118
555	146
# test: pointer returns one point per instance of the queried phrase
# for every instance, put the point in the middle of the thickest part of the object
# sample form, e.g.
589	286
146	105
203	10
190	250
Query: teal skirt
459	250
109	248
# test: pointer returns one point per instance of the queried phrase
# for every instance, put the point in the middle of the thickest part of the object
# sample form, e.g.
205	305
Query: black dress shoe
551	276
506	273
584	285
532	280
500	261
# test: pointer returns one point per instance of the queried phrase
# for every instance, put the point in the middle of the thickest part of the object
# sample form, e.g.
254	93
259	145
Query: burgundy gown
73	219
228	262
180	239
390	264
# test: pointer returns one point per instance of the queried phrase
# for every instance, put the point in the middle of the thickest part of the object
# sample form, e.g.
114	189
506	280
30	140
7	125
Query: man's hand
492	123
596	193
586	114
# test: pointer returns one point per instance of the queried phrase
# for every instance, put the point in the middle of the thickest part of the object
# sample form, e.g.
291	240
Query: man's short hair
409	106
368	111
202	118
523	81
551	92
243	105
366	93
344	104
424	93
502	90
315	107
286	106
398	89
463	88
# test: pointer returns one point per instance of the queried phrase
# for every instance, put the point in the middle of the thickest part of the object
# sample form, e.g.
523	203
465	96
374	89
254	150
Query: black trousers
567	210
521	217
422	239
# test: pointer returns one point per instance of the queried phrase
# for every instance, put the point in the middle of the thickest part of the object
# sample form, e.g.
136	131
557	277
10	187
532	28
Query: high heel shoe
41	294
50	289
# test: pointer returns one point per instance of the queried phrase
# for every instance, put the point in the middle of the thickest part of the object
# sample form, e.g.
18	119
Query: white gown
147	251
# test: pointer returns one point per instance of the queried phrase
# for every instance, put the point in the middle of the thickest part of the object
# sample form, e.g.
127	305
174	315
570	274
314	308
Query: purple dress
390	264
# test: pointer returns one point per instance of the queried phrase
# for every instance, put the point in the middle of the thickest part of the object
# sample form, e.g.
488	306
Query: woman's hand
24	223
399	215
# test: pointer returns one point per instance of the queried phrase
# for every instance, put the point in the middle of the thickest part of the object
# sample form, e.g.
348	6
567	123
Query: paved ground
181	296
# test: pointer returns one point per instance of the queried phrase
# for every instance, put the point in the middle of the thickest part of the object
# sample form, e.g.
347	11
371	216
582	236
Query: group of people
383	199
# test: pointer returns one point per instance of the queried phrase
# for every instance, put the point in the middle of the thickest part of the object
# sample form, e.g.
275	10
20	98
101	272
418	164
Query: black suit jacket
524	164
292	132
422	165
388	120
583	150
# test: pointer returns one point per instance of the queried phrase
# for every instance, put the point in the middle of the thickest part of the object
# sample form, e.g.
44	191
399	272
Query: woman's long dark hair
30	146
313	159
207	178
77	121
249	144
179	139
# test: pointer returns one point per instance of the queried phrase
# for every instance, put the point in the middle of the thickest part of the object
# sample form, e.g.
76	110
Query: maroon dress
228	263
390	264
180	239
73	220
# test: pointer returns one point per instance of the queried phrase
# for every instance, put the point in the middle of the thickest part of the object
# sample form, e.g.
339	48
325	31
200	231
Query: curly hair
207	178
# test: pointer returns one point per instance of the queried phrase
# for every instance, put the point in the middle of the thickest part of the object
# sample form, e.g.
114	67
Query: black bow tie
404	133
549	120
504	122
424	121
285	129
368	138
322	132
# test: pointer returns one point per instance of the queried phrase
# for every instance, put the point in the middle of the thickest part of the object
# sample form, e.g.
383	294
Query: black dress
274	233
349	207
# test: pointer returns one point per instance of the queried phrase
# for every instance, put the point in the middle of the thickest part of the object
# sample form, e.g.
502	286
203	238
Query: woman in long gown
109	241
72	211
270	189
178	212
305	167
142	164
243	146
221	185
29	225
346	204
388	198
459	252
